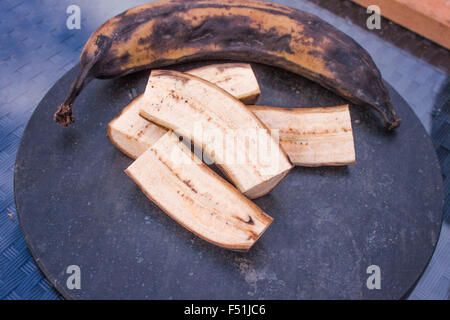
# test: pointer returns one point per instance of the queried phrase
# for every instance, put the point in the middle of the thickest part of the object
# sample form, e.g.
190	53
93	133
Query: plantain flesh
312	137
133	135
164	33
238	79
227	132
196	197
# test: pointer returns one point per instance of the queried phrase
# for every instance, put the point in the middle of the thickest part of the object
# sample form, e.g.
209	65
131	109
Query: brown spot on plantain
232	31
189	184
186	182
169	73
248	221
223	67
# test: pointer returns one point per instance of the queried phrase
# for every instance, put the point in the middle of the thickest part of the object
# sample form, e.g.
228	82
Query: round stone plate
77	207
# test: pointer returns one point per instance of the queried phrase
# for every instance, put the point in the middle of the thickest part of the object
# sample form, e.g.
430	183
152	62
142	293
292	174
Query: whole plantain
167	32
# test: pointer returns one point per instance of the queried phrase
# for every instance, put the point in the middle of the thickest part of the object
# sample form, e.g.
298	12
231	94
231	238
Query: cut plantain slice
133	135
241	146
238	79
196	197
312	137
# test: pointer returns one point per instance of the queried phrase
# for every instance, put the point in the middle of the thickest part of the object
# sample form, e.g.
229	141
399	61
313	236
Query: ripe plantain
167	32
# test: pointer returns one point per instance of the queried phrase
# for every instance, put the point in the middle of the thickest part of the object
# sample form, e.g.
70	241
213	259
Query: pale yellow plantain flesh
190	106
238	79
196	197
133	135
312	136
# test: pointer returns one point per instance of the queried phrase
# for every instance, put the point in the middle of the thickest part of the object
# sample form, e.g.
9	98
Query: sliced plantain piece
312	137
133	135
238	79
194	107
196	197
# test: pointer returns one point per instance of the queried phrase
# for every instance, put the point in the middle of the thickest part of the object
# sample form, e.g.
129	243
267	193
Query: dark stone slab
77	207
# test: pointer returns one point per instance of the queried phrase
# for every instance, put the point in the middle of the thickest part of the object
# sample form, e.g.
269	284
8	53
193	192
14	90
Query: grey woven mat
36	49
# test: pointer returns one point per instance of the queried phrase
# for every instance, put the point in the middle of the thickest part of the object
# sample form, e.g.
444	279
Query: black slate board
77	207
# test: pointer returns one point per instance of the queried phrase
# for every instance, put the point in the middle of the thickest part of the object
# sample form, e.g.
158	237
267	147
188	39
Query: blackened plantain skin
164	33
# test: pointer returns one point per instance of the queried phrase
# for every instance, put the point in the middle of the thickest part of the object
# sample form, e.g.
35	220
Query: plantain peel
164	33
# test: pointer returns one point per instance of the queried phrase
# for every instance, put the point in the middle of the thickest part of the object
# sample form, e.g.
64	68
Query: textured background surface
36	49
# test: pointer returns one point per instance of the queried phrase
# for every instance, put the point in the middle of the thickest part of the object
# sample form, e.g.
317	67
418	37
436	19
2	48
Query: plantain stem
63	115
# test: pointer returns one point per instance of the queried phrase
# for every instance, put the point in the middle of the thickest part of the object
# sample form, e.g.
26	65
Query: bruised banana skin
164	33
